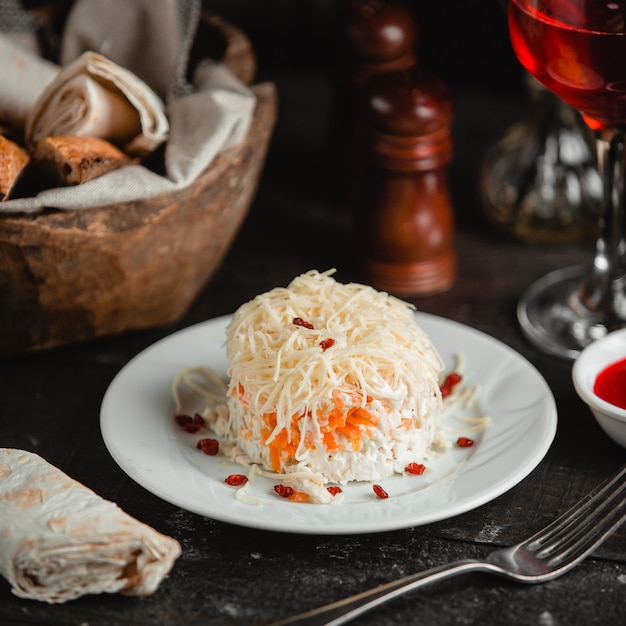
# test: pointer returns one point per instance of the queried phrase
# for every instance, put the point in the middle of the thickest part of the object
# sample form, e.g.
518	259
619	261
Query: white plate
140	433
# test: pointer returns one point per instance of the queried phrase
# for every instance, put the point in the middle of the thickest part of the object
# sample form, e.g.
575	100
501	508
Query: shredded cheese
322	368
201	380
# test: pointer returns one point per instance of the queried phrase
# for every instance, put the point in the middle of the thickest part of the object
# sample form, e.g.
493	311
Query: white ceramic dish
139	431
591	361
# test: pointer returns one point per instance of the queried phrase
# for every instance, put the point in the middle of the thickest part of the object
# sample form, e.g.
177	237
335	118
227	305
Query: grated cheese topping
318	352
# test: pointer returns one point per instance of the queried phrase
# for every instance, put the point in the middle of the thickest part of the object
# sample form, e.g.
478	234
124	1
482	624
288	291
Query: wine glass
577	49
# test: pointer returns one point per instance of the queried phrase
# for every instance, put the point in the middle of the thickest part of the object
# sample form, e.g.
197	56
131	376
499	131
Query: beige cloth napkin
24	75
151	38
59	540
211	114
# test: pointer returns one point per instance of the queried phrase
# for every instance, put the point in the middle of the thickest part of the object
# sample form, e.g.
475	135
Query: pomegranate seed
450	382
453	378
236	480
182	419
198	419
333	490
191	427
379	491
417	469
209	446
327	343
283	491
464	442
298	321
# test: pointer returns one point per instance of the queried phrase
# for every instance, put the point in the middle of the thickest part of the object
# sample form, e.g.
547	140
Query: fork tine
583	527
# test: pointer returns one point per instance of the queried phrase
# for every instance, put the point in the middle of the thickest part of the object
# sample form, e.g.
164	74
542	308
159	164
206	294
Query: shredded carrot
351	423
359	416
299	496
242	394
353	433
282	446
330	443
275	458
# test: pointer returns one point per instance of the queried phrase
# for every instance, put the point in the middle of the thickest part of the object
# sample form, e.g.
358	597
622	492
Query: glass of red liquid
577	49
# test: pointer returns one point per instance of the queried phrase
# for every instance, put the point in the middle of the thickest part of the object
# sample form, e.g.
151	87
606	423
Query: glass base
553	318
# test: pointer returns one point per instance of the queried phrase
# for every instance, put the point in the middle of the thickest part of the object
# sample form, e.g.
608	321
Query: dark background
464	42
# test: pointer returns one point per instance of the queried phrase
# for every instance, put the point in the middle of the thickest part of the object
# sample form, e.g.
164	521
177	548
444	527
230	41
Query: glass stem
605	291
610	246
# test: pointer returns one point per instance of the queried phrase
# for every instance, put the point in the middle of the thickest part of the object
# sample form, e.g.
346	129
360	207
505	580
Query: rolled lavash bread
93	96
59	540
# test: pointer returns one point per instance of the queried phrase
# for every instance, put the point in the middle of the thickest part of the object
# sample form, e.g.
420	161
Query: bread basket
70	276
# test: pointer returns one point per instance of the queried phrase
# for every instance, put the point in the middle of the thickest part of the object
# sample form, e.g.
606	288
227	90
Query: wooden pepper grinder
404	218
373	37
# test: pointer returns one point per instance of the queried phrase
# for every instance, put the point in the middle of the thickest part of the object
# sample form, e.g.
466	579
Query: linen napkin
59	540
207	114
25	74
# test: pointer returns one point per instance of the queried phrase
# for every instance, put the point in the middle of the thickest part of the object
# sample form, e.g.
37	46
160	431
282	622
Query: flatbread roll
95	97
72	160
59	540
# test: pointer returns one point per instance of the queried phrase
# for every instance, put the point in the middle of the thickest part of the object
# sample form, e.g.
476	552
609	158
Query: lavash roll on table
59	540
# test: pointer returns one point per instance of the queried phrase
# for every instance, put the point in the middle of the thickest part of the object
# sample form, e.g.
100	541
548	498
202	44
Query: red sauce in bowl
610	384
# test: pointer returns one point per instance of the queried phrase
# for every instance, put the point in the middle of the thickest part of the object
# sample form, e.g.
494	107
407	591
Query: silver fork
549	553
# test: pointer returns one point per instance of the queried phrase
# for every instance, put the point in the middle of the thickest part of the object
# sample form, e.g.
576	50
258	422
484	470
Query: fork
546	555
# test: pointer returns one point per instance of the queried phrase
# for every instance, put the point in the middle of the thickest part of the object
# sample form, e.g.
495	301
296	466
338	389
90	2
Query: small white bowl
591	361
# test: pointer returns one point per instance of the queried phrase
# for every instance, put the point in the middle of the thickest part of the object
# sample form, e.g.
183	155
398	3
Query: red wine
577	49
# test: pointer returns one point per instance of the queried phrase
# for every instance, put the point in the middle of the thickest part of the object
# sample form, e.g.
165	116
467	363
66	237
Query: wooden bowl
71	276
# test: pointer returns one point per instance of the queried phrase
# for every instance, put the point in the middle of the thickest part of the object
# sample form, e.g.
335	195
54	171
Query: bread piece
13	161
72	160
59	540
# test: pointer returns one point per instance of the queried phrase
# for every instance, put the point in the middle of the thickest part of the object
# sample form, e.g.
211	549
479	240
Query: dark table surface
239	576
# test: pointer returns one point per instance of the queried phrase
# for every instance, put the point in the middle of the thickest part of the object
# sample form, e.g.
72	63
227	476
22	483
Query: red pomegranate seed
198	419
298	321
182	419
191	427
379	491
209	446
327	343
236	480
417	469
453	378
333	490
284	491
450	382
464	442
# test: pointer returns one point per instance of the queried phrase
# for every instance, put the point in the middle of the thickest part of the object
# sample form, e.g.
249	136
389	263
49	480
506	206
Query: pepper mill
373	37
404	219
